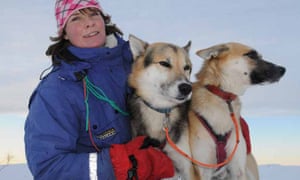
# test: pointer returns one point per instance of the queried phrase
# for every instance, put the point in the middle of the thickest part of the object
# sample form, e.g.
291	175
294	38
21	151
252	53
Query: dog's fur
160	79
232	67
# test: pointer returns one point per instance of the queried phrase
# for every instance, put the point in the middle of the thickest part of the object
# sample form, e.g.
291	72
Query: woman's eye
95	14
74	18
165	64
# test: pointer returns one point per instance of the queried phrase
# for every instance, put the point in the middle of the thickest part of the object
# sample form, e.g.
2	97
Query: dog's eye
187	68
252	54
165	64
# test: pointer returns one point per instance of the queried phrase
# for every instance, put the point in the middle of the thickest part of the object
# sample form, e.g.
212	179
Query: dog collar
227	96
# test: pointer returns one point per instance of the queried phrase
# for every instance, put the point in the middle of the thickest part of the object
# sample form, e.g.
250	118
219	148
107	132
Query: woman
78	126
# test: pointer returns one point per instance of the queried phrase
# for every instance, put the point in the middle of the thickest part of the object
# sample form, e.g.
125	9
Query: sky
270	26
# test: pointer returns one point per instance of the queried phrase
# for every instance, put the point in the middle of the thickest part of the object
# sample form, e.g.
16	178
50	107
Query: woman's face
86	29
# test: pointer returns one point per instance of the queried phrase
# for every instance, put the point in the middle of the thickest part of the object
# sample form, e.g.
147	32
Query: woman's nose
89	23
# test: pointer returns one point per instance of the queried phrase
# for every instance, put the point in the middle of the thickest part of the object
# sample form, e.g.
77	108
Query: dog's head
234	67
160	72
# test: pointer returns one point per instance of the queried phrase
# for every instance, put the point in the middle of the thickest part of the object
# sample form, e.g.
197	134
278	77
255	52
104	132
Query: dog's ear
137	46
187	47
212	52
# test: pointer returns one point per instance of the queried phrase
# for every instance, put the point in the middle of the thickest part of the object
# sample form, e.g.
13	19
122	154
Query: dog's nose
281	70
185	88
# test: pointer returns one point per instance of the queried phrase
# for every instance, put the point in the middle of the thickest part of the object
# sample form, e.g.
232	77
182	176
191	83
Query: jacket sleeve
51	133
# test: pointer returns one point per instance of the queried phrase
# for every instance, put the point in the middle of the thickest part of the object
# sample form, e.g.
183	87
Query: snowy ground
278	172
267	172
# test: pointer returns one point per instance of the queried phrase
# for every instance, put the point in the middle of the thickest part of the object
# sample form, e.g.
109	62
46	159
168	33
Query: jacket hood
86	58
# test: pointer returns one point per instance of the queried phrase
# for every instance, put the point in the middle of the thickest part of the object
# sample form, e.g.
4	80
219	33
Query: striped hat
65	8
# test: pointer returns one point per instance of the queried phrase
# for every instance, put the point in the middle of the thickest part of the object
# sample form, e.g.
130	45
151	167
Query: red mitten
162	165
130	161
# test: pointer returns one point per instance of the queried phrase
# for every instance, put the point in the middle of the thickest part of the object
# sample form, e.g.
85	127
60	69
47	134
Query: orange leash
229	158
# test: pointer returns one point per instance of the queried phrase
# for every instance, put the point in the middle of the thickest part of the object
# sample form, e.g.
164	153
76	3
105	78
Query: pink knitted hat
65	8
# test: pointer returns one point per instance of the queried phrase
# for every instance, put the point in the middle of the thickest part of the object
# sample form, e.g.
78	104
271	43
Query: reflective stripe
93	166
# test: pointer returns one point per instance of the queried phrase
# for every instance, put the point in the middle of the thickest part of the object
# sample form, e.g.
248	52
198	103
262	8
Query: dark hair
58	48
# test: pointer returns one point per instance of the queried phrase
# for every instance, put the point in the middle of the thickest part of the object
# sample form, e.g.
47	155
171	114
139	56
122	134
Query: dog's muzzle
185	89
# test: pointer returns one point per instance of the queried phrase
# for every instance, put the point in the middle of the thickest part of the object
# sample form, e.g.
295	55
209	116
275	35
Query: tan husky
229	69
160	78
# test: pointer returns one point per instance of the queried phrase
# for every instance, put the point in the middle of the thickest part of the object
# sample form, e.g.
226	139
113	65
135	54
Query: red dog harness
221	140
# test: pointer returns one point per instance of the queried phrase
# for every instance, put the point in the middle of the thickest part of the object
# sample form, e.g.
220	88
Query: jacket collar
93	54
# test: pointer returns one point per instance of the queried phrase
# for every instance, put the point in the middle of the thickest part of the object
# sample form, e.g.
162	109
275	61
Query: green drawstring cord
99	94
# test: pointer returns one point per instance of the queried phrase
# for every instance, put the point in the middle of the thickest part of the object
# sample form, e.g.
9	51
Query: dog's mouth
180	93
180	98
183	97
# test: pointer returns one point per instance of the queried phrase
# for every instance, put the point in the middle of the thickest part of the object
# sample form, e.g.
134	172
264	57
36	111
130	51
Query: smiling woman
77	113
81	36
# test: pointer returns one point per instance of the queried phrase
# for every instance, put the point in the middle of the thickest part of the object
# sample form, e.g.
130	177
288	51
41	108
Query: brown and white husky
228	70
160	79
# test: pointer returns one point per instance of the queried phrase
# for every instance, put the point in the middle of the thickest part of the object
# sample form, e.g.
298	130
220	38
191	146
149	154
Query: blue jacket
57	145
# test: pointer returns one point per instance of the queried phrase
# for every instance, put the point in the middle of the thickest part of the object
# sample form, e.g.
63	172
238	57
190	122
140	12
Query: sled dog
228	70
162	90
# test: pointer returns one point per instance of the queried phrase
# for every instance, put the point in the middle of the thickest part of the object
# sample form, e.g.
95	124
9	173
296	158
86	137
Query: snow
15	172
267	172
278	172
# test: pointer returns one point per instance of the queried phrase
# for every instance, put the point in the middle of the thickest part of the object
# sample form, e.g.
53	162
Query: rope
89	87
229	158
99	94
